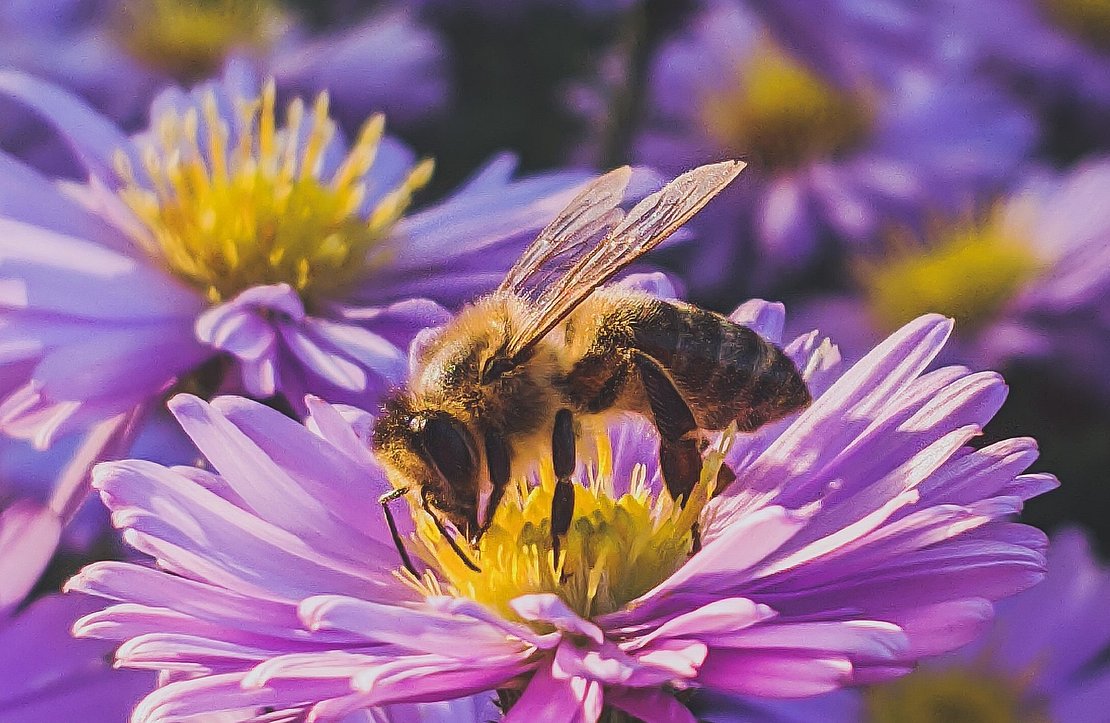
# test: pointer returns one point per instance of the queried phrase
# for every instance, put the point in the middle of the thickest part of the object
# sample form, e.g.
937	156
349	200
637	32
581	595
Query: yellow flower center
784	115
226	214
1087	19
950	696
617	548
970	274
190	39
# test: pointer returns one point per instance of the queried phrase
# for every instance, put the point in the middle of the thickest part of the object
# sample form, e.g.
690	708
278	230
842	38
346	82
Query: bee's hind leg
679	453
563	458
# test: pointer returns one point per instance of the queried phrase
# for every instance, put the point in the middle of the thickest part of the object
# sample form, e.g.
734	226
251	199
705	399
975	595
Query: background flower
326	303
836	158
118	54
1028	281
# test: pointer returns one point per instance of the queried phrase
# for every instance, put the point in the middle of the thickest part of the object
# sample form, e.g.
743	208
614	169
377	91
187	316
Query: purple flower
1028	279
859	536
837	157
118	54
1053	50
220	249
48	675
1041	659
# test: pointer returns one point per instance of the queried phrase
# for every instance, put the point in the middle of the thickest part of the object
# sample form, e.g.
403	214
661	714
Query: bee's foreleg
499	465
563	458
385	501
426	503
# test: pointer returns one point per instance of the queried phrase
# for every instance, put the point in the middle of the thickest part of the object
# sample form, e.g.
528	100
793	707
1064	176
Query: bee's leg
679	455
563	457
385	500
427	505
499	465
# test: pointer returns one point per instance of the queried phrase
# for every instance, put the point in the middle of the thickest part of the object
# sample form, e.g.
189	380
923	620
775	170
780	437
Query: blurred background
906	155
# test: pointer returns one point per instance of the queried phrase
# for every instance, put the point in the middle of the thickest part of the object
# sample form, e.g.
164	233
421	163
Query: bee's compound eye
446	442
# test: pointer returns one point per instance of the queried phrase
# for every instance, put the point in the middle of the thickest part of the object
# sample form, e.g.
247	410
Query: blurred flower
48	675
117	54
1042	659
860	535
222	248
836	156
1029	279
1052	50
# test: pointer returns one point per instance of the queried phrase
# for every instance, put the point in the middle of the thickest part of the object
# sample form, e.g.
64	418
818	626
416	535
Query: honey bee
511	377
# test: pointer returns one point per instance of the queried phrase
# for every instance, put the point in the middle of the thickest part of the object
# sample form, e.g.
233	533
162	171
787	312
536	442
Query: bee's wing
648	223
572	233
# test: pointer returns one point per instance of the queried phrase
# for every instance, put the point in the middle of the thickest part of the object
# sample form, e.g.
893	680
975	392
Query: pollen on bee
227	207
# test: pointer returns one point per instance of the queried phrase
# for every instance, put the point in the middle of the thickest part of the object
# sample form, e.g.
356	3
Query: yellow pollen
783	115
617	548
1087	19
951	696
190	39
969	273
226	213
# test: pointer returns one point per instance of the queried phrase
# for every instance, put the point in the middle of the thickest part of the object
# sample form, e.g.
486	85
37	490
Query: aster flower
117	54
836	158
1053	50
48	675
225	250
1040	660
1028	279
860	535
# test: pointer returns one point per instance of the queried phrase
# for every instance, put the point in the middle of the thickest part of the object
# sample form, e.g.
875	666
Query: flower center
949	696
190	39
1086	19
969	274
263	207
618	546
783	114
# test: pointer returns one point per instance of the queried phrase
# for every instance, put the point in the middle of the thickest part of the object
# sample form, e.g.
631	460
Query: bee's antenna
397	541
447	535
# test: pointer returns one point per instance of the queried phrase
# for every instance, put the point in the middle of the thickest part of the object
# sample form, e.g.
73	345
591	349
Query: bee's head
433	450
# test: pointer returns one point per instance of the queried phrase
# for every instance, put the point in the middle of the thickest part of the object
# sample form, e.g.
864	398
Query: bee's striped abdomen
726	371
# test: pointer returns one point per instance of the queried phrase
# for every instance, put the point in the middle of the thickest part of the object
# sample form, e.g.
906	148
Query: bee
510	379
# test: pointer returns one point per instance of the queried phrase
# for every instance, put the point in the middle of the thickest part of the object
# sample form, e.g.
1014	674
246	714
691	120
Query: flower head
836	156
859	535
1052	50
1026	280
386	63
233	245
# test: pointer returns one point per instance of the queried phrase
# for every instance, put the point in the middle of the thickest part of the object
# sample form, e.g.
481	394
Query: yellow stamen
782	114
1087	19
616	548
225	213
957	694
190	39
969	273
